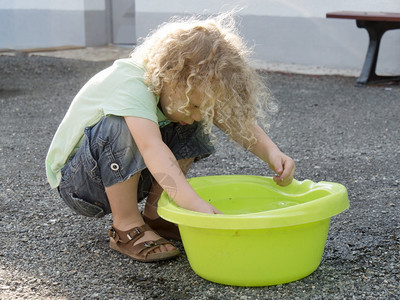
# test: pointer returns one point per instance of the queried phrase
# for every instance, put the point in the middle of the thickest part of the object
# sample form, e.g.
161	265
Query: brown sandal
164	228
123	241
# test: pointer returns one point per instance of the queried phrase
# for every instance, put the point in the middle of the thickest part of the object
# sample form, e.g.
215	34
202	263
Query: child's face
172	99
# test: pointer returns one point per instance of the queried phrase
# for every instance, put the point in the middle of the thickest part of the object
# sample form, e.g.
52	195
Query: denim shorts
109	155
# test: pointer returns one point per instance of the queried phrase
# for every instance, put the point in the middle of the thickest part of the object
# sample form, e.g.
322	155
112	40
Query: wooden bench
376	23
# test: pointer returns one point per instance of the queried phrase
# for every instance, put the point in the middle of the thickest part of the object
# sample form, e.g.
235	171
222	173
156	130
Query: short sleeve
128	95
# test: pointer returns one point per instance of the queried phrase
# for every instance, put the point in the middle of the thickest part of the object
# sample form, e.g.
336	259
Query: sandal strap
129	235
124	242
144	248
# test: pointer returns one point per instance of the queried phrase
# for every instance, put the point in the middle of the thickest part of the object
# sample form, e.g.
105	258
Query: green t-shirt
118	90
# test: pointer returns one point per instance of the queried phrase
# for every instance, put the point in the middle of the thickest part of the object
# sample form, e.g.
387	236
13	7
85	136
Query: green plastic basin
267	235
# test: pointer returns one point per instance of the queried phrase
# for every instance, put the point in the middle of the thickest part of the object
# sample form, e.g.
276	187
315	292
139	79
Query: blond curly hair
208	55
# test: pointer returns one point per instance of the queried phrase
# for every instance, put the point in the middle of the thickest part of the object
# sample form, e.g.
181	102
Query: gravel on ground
334	130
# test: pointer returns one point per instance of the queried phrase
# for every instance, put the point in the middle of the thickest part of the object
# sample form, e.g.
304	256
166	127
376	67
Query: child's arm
266	149
163	165
279	162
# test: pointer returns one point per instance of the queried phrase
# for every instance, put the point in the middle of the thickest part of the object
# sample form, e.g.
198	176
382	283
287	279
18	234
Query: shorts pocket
83	207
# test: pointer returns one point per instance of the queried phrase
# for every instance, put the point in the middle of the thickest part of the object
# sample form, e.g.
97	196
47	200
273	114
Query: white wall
281	8
291	31
73	5
52	23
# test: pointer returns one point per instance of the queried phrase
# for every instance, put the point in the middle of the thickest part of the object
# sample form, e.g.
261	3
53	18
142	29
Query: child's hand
284	166
202	206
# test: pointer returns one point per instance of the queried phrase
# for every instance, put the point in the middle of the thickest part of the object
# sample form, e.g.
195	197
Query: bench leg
375	32
368	70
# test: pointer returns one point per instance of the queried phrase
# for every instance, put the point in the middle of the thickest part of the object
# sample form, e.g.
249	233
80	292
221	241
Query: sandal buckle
114	234
150	244
137	233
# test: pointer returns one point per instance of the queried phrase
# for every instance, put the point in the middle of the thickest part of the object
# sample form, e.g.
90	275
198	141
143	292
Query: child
149	117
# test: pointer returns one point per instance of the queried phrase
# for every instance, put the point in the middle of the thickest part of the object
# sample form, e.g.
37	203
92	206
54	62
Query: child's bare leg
150	209
123	202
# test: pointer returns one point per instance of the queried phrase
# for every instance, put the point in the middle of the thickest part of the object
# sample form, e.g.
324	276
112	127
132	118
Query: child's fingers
276	166
288	171
283	182
217	211
286	177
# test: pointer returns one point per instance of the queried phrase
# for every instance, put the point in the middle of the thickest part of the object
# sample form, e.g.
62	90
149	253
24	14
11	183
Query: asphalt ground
334	130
